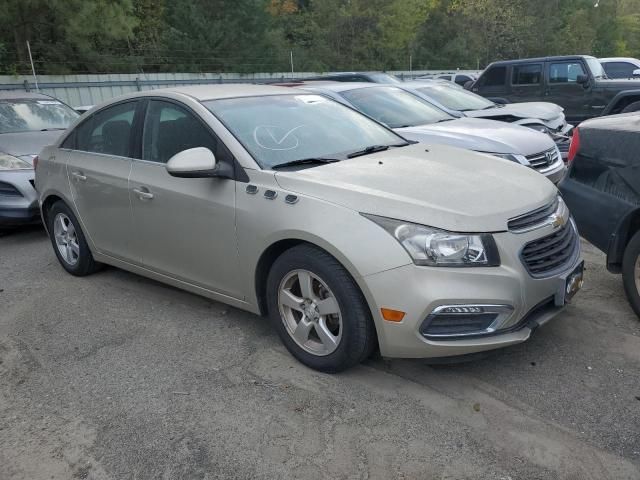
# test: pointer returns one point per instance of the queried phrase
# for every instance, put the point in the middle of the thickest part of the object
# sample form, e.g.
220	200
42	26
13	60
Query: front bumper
21	206
419	291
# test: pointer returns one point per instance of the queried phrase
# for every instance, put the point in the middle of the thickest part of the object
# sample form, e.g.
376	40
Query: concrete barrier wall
79	90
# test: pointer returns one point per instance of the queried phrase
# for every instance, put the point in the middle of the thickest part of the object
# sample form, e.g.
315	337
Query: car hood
481	135
27	144
542	110
439	186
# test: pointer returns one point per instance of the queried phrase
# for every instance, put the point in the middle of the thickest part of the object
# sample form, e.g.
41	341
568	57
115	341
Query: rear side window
494	77
619	69
107	131
526	74
565	72
170	129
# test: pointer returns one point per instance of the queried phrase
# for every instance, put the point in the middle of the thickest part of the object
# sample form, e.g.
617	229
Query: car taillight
35	162
575	145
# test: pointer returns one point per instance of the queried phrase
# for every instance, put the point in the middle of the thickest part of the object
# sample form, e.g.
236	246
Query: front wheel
318	310
632	107
631	272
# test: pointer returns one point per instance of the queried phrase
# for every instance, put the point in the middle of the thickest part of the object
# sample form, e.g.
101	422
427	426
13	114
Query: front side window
494	77
107	131
619	69
170	129
394	107
455	98
565	72
278	129
526	74
34	115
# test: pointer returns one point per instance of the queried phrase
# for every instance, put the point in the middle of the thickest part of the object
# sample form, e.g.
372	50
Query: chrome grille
534	219
551	254
543	160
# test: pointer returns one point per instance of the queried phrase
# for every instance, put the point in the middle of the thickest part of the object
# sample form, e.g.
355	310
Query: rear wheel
631	272
69	243
318	310
632	107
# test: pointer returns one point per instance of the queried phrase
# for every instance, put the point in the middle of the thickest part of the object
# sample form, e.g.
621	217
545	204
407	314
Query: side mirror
582	79
199	162
636	73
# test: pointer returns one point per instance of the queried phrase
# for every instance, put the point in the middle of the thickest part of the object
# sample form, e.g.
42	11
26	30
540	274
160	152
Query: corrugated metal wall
79	90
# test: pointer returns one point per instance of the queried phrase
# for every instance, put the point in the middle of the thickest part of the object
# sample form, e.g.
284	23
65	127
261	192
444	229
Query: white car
288	204
621	67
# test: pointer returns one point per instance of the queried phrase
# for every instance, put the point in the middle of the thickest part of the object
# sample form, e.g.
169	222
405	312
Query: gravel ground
115	376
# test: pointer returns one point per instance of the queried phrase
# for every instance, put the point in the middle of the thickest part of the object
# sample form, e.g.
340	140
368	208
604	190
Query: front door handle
79	176
143	194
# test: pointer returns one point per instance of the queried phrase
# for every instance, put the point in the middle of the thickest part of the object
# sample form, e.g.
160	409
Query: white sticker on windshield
311	98
49	102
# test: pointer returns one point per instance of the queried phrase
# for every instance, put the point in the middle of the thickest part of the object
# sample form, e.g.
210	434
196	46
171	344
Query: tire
81	262
630	278
352	336
632	107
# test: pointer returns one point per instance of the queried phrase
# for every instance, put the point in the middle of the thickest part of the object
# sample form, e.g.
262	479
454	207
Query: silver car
28	122
544	117
288	204
419	120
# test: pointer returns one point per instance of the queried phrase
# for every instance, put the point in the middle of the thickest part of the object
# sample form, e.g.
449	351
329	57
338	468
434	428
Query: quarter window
566	72
170	129
526	74
495	77
107	131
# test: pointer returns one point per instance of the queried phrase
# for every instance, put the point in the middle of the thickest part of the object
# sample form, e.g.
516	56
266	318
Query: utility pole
33	69
291	57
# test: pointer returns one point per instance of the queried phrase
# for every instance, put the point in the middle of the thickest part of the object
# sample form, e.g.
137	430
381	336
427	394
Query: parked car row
354	215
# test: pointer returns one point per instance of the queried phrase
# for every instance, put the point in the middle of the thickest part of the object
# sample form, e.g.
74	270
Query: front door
183	227
98	167
563	89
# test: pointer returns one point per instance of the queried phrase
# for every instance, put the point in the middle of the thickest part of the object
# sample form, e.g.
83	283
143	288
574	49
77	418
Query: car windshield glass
34	115
384	78
278	129
596	68
394	107
456	99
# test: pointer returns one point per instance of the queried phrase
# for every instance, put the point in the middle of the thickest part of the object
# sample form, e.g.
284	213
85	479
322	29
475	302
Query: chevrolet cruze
288	204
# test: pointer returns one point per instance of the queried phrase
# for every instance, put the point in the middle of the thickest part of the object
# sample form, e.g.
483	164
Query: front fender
611	108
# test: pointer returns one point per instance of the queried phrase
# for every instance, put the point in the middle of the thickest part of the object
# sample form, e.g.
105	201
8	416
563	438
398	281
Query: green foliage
87	36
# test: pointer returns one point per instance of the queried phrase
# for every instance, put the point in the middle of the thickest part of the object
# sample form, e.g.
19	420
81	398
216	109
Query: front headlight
507	156
9	162
538	127
438	248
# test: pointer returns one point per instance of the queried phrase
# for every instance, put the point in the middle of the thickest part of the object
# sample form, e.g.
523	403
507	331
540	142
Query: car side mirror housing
636	72
582	79
199	162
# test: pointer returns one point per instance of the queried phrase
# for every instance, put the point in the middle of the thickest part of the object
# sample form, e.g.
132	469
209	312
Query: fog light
450	321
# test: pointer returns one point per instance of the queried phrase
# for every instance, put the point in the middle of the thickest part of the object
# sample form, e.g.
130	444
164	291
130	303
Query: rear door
563	89
527	82
183	227
98	167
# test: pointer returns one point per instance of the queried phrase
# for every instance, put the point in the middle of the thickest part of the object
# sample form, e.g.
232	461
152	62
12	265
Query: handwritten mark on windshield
273	137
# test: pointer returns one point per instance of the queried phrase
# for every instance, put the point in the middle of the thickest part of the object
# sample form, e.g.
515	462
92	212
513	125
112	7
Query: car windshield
456	99
394	107
33	115
278	129
384	78
596	68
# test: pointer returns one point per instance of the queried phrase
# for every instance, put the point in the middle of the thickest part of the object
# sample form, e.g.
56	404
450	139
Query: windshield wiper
306	161
368	150
51	129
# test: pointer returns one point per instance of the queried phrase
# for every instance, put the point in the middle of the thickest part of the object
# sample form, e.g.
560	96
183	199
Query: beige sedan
288	204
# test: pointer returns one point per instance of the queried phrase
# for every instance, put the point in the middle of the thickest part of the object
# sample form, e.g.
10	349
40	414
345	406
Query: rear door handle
143	193
79	176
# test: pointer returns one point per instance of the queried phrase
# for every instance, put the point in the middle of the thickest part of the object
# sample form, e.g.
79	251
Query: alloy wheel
66	239
310	312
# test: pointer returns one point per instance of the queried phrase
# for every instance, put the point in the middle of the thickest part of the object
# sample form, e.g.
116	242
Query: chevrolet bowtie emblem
557	220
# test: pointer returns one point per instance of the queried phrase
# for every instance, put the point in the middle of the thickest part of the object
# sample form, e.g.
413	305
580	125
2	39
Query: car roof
540	59
346	86
22	95
620	59
215	92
